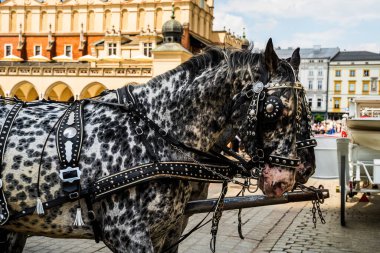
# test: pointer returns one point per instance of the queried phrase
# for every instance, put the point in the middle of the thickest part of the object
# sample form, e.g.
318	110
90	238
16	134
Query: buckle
139	131
249	93
70	175
74	195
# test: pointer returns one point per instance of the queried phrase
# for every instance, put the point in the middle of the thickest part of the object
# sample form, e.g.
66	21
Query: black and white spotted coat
191	103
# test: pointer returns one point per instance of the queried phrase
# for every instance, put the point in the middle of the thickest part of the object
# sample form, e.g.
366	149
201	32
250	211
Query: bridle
269	109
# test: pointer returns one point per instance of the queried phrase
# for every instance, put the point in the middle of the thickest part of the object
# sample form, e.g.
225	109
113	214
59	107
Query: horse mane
211	57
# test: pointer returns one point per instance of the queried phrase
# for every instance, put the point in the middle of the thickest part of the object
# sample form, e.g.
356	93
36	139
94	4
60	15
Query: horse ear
296	59
271	58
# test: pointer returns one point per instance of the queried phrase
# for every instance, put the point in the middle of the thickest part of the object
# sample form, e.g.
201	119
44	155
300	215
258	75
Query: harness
207	167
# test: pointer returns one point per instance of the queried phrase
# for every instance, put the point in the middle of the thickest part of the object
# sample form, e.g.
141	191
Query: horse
195	102
305	145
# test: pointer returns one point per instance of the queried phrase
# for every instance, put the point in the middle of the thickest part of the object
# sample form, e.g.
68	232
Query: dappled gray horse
193	103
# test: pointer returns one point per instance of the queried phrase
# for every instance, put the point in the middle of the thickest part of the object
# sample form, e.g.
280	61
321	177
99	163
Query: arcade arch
59	91
24	91
92	90
2	94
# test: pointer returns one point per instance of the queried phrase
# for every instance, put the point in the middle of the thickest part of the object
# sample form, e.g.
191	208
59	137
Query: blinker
273	108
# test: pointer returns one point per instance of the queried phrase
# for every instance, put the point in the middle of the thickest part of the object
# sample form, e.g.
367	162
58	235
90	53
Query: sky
347	24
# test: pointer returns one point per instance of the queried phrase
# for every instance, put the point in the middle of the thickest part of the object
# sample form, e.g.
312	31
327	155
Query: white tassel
40	208
78	218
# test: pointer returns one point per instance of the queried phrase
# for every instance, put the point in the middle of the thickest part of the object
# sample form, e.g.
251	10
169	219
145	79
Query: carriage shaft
230	203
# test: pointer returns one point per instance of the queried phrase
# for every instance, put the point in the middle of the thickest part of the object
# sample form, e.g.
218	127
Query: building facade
314	74
71	49
353	74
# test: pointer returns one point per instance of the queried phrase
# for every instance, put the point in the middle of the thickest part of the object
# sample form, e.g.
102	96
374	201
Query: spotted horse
118	167
304	141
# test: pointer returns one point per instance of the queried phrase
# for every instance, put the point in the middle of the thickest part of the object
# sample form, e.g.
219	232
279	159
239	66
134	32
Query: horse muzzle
276	180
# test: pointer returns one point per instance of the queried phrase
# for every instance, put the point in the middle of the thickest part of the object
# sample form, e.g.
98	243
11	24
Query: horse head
269	113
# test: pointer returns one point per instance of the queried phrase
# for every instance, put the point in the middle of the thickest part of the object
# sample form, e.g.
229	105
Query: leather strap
116	182
69	143
306	143
4	134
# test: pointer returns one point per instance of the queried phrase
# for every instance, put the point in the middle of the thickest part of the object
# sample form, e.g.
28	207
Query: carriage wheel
343	195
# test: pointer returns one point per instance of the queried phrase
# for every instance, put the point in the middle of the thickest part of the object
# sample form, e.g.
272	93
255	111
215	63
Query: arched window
24	91
13	22
59	21
90	21
59	92
177	13
28	21
158	19
107	20
141	19
43	22
124	20
92	90
75	22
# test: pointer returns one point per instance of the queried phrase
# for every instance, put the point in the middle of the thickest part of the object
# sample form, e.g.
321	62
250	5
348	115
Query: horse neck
192	107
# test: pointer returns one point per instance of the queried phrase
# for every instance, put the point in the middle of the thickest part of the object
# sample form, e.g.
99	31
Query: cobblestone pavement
280	228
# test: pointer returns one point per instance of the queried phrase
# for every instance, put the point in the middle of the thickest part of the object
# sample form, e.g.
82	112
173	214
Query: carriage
358	155
126	167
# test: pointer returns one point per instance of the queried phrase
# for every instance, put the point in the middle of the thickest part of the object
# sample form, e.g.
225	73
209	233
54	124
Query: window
320	61
337	86
37	50
311	73
366	72
352	72
68	51
319	102
311	61
310	84
351	86
336	103
374	84
338	73
319	84
112	49
310	102
320	72
365	86
7	49
148	49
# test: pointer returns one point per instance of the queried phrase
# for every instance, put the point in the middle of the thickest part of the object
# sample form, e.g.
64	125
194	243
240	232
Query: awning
38	58
112	58
63	58
12	58
87	58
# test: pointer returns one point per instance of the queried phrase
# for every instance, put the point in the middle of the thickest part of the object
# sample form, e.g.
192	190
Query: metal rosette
273	108
69	139
284	162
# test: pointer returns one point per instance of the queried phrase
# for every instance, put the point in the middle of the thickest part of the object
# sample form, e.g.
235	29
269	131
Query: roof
171	47
309	53
357	56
